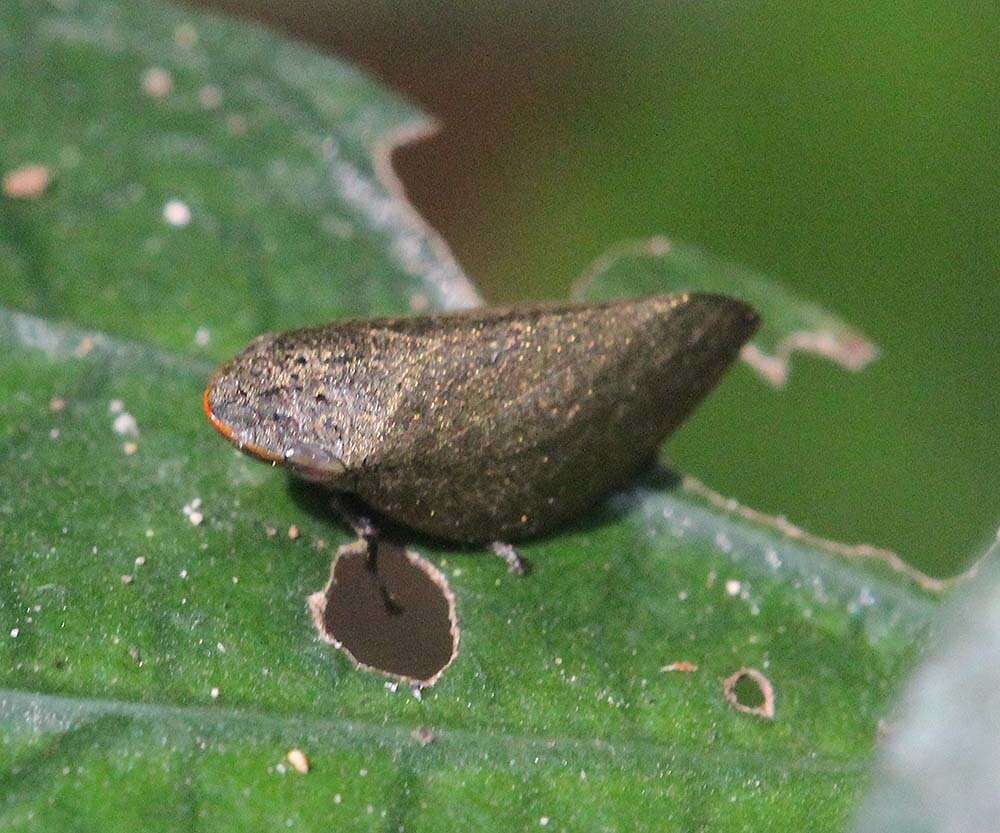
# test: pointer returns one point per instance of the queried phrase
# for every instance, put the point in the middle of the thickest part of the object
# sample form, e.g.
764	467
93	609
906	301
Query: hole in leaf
394	614
750	692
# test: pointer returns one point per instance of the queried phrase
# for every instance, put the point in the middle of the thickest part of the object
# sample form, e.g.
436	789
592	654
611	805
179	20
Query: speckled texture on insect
496	423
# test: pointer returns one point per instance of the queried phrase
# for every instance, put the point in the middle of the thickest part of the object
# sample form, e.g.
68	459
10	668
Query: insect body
491	424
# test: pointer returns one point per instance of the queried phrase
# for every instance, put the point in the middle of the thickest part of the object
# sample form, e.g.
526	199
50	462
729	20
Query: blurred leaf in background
849	150
940	768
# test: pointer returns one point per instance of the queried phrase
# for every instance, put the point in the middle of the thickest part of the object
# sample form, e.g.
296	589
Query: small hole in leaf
750	692
394	614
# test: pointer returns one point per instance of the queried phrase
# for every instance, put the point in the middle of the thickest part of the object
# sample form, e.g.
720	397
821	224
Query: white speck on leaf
176	213
26	183
157	82
125	425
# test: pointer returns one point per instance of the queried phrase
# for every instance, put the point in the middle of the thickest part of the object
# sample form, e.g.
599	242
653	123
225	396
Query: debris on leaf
682	666
297	758
26	183
125	425
423	735
191	512
176	214
157	82
84	348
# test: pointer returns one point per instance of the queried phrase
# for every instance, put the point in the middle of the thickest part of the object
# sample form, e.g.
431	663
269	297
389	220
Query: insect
484	426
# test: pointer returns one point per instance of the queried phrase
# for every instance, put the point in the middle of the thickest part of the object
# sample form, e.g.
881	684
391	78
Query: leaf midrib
56	713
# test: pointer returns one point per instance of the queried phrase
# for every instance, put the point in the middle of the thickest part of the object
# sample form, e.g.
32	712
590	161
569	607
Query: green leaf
288	223
789	323
172	699
940	767
558	674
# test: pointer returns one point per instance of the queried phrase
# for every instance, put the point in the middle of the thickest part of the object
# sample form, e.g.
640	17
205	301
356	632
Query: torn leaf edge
853	353
730	506
396	212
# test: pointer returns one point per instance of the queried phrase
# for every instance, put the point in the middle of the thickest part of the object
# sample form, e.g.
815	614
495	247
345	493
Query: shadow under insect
389	609
326	506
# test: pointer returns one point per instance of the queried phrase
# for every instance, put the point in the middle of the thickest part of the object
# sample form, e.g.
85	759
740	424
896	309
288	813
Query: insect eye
300	359
321	397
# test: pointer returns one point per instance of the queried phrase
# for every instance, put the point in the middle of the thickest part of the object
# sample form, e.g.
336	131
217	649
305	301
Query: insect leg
515	564
360	523
367	532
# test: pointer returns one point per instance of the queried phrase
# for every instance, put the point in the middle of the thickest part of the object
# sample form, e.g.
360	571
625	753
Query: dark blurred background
849	148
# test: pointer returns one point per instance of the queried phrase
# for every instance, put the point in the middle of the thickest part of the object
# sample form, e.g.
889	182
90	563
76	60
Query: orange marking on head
227	432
